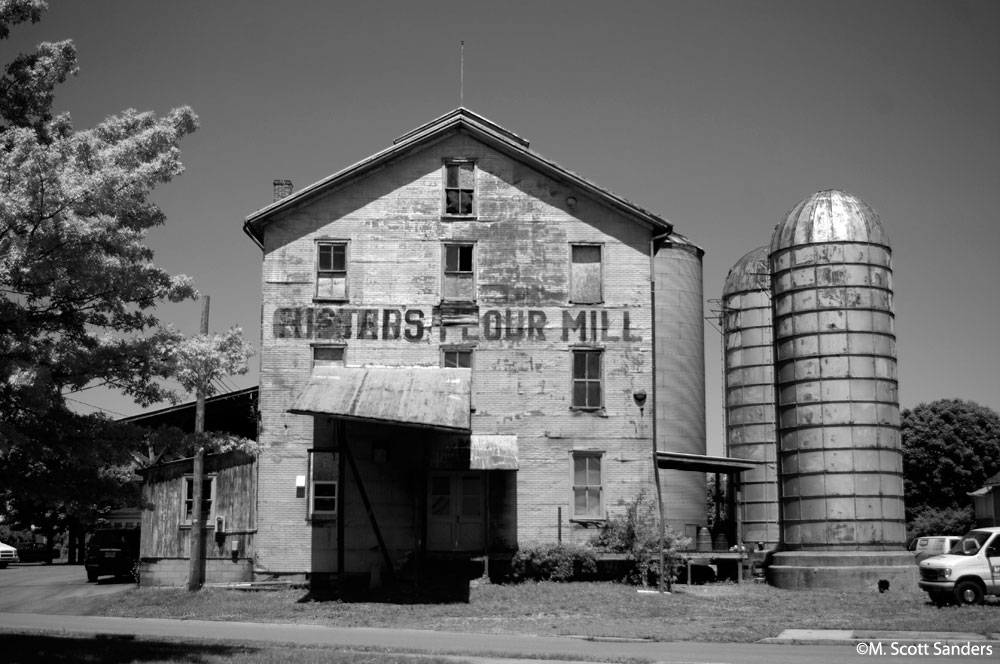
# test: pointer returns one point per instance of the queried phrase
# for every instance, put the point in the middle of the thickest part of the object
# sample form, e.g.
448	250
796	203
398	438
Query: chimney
282	188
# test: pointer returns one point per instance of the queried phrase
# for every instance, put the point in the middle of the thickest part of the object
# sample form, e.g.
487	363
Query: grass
715	613
48	649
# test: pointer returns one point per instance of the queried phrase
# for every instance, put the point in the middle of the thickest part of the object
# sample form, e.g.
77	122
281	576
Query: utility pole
197	536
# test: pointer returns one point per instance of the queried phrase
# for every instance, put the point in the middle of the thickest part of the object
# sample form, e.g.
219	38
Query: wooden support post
338	437
368	507
197	533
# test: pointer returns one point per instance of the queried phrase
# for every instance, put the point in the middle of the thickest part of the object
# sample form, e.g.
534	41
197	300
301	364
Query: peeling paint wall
522	328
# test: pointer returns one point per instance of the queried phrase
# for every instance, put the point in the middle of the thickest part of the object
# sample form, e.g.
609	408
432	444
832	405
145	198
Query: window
587	488
328	356
207	499
587	392
331	270
323	496
456	358
585	274
459	188
459	274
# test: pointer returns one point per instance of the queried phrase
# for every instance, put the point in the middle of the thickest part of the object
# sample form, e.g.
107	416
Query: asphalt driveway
54	589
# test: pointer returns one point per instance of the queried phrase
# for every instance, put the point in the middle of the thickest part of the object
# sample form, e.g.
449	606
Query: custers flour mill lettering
414	325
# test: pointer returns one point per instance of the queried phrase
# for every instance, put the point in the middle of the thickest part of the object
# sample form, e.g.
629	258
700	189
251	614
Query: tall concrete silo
840	458
748	374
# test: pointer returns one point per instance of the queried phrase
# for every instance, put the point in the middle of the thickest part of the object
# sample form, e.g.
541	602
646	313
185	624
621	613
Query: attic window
459	188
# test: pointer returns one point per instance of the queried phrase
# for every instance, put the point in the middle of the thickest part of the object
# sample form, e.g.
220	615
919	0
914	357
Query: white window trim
314	346
444	266
475	189
599	245
573	456
311	512
572	378
347	270
208	518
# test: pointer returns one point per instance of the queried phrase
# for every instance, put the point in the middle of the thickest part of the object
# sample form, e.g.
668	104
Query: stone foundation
842	570
173	572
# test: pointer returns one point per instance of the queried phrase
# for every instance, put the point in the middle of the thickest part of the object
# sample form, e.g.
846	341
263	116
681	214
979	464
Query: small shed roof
421	396
701	462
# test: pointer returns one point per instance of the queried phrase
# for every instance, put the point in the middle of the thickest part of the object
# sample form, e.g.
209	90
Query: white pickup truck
968	573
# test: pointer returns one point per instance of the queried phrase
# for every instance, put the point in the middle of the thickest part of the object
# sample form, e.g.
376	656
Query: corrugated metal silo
838	411
748	374
680	374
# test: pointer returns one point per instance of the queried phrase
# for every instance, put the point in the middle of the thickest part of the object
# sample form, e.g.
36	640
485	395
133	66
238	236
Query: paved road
455	643
57	598
54	589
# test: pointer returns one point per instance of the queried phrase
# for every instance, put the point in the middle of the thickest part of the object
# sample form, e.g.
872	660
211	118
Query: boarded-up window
459	189
585	274
459	272
587	486
587	392
323	499
328	356
207	499
331	270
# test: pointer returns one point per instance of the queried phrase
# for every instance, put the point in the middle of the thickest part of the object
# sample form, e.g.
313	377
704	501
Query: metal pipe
652	331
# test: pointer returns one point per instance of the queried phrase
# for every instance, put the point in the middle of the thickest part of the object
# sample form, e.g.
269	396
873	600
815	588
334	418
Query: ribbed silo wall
838	412
680	377
748	383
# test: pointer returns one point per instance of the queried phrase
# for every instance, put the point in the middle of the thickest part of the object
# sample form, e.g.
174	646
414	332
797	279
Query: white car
8	555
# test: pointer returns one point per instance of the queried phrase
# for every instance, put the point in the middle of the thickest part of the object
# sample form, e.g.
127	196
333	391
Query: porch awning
701	462
418	396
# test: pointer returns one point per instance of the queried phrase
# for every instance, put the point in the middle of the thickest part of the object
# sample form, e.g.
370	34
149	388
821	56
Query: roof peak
458	116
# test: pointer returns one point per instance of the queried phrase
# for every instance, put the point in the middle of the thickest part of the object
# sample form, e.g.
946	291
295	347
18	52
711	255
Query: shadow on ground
111	649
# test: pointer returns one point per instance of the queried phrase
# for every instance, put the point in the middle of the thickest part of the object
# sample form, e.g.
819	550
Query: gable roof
458	120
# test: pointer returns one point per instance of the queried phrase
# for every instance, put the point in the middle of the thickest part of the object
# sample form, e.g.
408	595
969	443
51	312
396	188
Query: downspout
652	330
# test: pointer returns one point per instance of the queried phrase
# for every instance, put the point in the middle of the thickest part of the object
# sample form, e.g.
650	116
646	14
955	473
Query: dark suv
113	551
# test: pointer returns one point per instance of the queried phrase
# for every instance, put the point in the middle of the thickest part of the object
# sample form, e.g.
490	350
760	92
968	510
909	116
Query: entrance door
455	511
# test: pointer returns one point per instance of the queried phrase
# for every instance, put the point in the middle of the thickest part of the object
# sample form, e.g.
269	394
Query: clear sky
718	116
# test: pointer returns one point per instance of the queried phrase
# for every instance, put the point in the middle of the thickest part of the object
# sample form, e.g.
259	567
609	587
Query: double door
456	511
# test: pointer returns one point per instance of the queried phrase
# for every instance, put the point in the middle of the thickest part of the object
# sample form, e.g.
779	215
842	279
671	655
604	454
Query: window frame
455	162
458	350
312	514
445	272
209	519
574	456
318	346
573	295
599	351
320	273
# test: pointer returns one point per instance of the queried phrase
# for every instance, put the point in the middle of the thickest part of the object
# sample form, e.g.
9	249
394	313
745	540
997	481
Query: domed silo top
829	216
752	272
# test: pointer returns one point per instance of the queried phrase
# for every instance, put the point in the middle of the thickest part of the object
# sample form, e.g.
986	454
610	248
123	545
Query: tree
78	283
78	286
950	447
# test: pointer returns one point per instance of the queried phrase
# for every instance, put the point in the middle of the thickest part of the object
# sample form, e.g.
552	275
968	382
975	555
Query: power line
106	410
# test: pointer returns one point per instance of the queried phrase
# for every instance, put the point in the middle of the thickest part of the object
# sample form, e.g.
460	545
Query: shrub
553	562
634	532
941	521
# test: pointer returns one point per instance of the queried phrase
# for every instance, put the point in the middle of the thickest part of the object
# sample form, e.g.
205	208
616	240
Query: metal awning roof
708	464
418	396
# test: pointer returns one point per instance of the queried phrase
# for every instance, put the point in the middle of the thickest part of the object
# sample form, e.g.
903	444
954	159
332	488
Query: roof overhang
414	396
703	463
460	119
